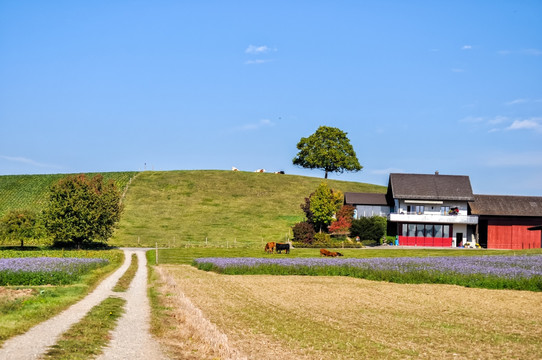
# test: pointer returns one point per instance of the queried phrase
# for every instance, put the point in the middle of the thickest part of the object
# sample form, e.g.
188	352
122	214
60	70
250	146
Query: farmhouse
441	210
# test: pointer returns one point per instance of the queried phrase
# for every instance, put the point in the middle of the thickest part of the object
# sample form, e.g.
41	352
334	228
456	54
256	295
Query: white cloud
532	52
257	61
527	124
466	47
497	120
257	125
517	101
23	160
257	50
535	52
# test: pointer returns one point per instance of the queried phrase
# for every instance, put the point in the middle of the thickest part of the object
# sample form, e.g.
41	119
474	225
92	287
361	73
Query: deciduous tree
82	210
324	203
18	225
328	149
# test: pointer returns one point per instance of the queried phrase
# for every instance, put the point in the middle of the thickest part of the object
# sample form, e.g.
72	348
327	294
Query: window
438	231
444	210
420	230
446	231
428	230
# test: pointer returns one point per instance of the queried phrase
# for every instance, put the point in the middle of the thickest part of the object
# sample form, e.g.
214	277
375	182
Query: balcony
434	218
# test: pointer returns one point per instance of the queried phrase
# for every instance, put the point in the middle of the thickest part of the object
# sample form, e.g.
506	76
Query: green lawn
216	208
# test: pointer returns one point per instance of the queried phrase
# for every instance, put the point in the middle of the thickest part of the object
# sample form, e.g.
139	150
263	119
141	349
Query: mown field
31	191
216	208
322	317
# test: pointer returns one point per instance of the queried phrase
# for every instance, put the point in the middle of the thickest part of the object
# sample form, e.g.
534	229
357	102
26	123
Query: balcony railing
434	218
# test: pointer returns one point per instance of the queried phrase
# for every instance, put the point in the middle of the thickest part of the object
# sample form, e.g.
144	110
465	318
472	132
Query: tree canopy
328	149
18	225
81	210
324	203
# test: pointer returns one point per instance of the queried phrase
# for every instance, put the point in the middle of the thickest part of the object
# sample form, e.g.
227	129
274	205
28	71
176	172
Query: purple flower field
504	267
45	270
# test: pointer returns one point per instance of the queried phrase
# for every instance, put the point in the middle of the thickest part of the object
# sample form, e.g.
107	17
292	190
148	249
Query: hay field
300	317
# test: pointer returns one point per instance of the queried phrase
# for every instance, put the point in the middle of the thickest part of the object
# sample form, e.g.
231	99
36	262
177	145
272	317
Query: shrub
340	226
322	238
303	232
347	212
373	228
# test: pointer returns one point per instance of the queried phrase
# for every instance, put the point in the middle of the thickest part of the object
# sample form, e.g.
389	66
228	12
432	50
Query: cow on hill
279	247
269	247
325	252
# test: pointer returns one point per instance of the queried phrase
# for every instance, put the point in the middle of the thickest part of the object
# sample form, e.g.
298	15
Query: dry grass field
296	317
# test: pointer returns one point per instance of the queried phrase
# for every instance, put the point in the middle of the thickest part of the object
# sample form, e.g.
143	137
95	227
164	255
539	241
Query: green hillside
227	208
31	191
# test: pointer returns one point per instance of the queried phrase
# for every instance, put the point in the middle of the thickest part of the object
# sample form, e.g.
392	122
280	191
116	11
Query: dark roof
430	187
351	198
506	205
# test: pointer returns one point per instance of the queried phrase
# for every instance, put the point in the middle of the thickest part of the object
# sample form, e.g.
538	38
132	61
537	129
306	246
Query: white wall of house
459	228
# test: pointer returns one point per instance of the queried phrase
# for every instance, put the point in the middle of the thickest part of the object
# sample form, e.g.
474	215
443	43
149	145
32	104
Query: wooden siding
512	237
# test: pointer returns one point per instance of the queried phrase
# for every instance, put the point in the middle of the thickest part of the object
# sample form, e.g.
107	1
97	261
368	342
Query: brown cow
269	247
325	252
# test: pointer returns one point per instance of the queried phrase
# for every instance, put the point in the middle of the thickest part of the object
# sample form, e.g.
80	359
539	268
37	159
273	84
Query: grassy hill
200	207
31	191
227	208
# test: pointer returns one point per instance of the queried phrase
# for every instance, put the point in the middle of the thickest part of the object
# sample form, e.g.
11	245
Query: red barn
504	221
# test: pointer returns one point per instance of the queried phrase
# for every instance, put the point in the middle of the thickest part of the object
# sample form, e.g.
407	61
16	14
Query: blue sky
419	86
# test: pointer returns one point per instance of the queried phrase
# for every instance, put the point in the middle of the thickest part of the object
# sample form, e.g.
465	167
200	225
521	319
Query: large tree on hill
328	149
81	210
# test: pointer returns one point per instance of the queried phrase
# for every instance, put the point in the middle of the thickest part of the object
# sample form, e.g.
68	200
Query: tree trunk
326	175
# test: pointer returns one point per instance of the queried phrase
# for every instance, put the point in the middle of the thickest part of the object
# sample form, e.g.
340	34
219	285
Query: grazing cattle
279	172
233	168
269	247
279	247
260	170
324	252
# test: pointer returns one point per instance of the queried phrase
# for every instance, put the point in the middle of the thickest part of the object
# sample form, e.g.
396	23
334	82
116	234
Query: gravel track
131	339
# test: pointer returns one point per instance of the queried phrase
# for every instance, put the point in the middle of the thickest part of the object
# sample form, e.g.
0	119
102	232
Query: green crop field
216	208
30	191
